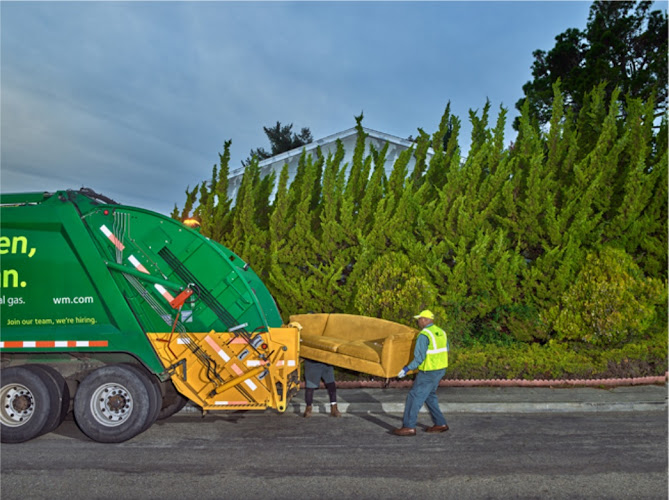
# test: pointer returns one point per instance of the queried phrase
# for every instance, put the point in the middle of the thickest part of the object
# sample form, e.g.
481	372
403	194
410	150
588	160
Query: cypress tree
423	143
495	242
445	147
394	288
261	200
191	197
213	208
548	236
246	239
332	247
373	192
372	244
316	193
468	254
399	172
639	203
220	212
281	219
358	174
291	260
206	202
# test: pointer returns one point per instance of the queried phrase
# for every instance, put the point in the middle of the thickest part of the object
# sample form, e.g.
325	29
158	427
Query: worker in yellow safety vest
431	358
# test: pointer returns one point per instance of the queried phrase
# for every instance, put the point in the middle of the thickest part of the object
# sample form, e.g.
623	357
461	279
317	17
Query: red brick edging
607	382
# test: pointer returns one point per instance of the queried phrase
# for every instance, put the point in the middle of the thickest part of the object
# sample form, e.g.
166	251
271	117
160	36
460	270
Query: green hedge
553	361
546	258
558	360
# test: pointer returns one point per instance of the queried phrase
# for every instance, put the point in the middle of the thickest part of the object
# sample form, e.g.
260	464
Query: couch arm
397	352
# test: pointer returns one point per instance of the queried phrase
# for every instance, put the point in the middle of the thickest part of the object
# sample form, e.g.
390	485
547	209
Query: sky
136	99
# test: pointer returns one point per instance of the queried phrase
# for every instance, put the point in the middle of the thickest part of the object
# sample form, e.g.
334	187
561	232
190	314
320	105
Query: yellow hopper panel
224	371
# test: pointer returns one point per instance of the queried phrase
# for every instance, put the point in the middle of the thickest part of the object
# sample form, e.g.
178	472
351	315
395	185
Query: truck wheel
172	401
112	404
60	396
26	404
155	396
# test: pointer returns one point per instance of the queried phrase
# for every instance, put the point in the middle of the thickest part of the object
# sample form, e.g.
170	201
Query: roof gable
286	156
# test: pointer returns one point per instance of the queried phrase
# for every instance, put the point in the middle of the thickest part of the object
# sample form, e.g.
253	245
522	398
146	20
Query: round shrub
610	303
394	289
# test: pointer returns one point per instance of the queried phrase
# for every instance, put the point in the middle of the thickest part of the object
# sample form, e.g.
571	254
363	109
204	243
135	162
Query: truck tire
172	401
26	404
60	396
155	396
112	404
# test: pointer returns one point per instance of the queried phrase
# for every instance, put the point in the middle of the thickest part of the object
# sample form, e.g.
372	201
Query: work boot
437	428
307	412
334	412
405	431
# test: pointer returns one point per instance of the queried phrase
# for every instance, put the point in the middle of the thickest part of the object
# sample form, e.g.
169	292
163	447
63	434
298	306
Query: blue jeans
424	391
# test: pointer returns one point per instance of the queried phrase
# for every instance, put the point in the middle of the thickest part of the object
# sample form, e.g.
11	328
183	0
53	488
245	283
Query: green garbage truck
122	315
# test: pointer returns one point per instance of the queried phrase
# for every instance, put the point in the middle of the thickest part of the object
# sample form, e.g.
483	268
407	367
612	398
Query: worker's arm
419	353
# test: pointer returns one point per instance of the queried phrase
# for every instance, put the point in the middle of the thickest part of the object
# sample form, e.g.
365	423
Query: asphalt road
267	455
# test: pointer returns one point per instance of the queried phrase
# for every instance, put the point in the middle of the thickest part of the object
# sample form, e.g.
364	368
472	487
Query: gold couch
359	343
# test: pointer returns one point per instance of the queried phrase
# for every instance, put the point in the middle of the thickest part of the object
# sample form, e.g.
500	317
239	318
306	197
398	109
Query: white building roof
328	145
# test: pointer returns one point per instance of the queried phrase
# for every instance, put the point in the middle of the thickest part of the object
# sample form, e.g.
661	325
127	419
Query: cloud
136	99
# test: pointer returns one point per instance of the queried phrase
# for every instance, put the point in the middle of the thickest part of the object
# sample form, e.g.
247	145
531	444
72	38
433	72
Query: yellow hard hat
425	314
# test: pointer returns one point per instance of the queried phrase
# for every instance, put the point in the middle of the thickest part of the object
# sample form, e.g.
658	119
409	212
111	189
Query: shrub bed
552	361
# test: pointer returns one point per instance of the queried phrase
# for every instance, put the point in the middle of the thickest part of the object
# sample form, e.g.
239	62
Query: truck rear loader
123	315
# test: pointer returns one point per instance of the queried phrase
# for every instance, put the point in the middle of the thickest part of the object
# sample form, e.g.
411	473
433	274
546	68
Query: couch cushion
348	362
323	343
370	351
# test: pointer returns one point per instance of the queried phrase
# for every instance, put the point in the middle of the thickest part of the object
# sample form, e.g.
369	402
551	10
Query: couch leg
386	383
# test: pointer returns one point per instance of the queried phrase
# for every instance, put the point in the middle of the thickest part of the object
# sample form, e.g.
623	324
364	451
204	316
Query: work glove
403	372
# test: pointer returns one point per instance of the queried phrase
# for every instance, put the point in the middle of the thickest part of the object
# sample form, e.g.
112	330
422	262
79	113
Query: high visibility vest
437	350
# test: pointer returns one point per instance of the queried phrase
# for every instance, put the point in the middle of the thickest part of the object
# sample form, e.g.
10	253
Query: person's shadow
370	409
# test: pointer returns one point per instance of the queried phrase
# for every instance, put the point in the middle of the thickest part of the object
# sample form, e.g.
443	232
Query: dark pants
313	373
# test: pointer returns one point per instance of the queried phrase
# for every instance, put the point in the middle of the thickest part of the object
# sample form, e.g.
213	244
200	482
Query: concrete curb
489	399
